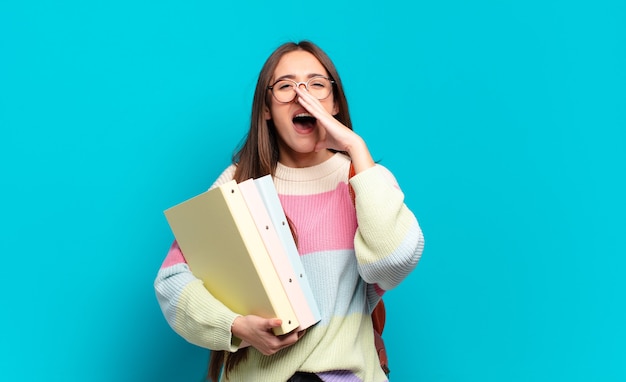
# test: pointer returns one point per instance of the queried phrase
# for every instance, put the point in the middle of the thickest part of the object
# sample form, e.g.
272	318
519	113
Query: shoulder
376	174
225	176
386	173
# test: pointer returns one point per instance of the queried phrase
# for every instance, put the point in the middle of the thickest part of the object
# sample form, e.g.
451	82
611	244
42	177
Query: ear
267	113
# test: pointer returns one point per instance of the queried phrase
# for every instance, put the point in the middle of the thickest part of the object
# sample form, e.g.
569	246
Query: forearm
360	155
389	241
186	304
189	308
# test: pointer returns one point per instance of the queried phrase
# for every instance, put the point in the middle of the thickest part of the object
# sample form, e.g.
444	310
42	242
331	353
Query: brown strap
350	175
382	352
378	317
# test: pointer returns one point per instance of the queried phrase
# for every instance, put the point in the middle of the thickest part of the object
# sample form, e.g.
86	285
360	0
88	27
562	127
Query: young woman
352	250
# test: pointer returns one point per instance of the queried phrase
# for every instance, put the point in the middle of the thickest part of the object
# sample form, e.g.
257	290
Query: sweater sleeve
188	307
389	241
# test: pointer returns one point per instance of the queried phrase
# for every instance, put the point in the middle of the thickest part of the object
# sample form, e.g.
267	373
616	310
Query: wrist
360	155
236	326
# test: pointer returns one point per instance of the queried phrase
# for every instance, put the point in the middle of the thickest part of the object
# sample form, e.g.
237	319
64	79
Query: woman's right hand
257	331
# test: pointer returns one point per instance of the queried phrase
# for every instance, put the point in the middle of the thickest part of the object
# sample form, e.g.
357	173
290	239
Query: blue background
502	120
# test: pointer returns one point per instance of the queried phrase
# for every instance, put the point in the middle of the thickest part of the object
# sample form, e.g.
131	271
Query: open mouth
304	121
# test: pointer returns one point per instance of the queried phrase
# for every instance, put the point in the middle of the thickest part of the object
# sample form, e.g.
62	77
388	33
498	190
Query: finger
315	107
309	104
306	99
302	91
274	323
288	339
317	110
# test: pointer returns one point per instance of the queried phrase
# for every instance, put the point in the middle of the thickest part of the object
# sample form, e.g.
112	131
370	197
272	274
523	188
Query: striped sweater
352	253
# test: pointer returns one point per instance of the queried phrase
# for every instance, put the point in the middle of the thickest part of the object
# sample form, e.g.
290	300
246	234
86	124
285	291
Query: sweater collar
318	171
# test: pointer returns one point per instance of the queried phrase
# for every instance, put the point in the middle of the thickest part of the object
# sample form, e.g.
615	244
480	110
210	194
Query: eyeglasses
284	91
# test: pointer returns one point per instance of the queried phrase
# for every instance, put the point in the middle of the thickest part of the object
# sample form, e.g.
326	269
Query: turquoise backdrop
503	121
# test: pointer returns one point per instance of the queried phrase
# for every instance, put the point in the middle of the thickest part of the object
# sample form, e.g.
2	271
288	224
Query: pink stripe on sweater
174	256
323	222
380	291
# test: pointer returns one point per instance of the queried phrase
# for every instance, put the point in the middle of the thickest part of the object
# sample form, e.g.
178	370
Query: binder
220	241
291	281
267	190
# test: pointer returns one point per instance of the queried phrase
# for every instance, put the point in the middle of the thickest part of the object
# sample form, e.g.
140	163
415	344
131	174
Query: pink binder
278	254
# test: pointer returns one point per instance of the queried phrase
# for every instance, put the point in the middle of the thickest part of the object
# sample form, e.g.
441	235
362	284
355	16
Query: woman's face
298	135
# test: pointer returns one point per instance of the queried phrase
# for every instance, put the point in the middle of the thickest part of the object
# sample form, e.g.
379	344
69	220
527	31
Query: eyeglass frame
306	86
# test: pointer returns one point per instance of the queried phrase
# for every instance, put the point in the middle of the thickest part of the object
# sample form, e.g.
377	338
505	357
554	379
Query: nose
299	85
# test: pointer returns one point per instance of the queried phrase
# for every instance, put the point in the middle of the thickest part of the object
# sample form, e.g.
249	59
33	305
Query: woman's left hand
334	134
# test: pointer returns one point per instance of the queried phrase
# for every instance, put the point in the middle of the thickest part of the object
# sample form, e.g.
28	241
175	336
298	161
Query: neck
301	160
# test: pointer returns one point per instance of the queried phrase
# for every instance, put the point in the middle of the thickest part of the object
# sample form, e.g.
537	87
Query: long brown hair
258	154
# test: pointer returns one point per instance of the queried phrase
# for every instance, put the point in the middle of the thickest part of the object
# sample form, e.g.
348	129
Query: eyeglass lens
319	87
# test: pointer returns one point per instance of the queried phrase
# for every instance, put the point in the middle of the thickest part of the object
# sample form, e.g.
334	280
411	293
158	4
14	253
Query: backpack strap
378	319
379	314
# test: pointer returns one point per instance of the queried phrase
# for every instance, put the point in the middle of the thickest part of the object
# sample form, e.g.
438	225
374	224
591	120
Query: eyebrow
293	77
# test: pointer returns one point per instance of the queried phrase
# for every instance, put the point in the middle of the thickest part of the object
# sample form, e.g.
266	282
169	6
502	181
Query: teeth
303	115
